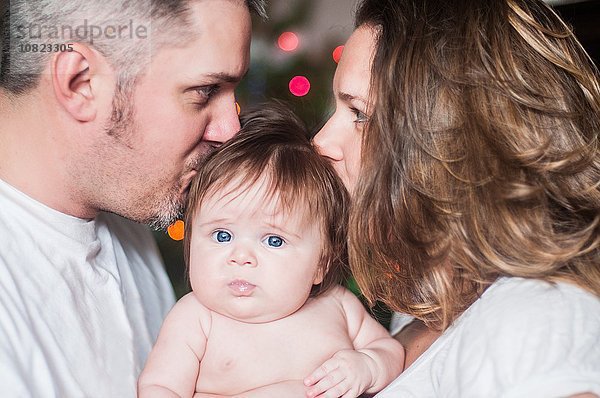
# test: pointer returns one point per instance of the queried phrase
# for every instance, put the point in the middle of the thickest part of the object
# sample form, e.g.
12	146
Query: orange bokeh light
176	230
288	41
337	53
238	107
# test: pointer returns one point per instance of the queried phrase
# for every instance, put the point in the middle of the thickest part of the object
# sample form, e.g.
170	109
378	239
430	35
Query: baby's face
250	260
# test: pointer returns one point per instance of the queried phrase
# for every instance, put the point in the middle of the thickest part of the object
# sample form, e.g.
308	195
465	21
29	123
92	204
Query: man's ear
72	74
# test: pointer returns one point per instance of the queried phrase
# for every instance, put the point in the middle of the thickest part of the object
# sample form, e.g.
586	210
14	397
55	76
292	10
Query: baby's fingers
321	372
328	382
333	385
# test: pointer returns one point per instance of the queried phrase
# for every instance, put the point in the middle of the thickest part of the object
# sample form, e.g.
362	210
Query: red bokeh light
337	53
288	41
299	86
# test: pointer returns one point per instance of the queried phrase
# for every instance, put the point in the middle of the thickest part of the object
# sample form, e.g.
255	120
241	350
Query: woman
472	154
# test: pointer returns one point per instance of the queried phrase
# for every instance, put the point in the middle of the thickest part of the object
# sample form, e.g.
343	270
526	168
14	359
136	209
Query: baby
265	245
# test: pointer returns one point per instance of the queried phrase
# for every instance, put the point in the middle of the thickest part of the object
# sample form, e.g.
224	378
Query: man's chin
165	216
160	223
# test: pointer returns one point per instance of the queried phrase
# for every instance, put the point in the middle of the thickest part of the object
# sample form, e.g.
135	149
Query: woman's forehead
353	73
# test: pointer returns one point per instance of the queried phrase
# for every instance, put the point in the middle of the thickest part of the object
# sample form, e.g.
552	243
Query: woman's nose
326	143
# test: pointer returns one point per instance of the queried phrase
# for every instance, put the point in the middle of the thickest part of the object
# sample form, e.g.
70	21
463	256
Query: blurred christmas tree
282	50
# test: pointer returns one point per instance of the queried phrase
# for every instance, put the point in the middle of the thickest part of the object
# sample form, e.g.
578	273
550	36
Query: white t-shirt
522	338
81	302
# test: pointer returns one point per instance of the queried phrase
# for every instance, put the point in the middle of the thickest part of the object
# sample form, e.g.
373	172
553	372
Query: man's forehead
211	51
220	31
204	10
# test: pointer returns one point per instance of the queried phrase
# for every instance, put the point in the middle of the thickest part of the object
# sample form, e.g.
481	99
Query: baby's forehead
259	197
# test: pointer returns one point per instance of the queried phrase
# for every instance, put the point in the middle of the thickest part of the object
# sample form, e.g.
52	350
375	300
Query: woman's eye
221	236
274	241
361	117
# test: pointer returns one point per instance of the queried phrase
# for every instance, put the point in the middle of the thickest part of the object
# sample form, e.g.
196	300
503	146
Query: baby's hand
347	374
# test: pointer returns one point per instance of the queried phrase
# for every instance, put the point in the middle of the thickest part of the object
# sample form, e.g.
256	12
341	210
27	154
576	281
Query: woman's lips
241	288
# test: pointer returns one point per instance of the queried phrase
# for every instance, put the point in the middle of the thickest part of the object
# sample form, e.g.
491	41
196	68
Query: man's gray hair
126	32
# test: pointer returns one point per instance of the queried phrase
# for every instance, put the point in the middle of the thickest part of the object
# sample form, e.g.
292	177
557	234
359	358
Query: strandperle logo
42	27
85	31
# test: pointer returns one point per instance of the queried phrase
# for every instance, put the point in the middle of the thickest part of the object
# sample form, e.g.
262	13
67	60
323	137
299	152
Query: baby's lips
241	287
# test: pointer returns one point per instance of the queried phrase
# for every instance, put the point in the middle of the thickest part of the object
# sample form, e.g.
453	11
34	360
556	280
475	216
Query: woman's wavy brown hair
480	159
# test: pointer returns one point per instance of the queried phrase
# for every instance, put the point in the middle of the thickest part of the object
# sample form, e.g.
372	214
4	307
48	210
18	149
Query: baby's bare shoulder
190	302
337	299
338	292
345	297
188	307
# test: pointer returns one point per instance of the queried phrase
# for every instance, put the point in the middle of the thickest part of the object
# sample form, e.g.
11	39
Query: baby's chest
239	357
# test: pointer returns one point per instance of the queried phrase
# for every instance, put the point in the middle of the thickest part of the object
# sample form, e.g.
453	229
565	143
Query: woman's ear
72	74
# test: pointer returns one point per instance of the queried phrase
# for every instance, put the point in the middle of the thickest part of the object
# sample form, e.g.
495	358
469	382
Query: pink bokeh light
299	86
337	53
288	41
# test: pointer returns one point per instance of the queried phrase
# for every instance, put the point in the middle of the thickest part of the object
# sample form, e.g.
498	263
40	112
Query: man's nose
225	122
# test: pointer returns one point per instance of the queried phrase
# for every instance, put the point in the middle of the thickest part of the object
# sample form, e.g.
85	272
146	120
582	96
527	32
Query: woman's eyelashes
360	117
224	236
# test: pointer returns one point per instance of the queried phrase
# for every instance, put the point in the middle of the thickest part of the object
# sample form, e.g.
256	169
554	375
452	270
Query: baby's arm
173	364
376	360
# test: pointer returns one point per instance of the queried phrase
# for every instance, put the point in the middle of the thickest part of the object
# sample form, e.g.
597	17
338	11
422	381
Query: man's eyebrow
349	98
225	77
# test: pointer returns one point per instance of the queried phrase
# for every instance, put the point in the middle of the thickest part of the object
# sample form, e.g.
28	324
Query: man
106	109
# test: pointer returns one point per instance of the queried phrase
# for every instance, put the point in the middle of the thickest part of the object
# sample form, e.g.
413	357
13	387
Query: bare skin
249	327
416	339
252	360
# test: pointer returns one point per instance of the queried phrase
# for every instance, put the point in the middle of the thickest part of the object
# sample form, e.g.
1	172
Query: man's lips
241	288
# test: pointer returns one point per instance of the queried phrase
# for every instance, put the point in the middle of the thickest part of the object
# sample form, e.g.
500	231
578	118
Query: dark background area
585	19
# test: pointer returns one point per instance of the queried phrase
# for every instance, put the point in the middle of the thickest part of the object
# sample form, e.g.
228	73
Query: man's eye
221	236
274	241
205	93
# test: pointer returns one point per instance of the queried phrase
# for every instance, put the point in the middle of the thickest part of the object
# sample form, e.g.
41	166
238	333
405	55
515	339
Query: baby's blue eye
274	241
221	236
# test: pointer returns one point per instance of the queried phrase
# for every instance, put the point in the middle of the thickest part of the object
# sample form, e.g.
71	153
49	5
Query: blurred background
293	58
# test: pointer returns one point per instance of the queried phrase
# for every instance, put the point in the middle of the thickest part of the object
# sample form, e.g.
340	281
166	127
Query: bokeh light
176	230
238	107
288	41
337	53
299	86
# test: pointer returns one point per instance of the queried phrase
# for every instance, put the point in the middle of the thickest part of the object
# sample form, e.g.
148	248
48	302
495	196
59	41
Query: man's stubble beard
164	210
